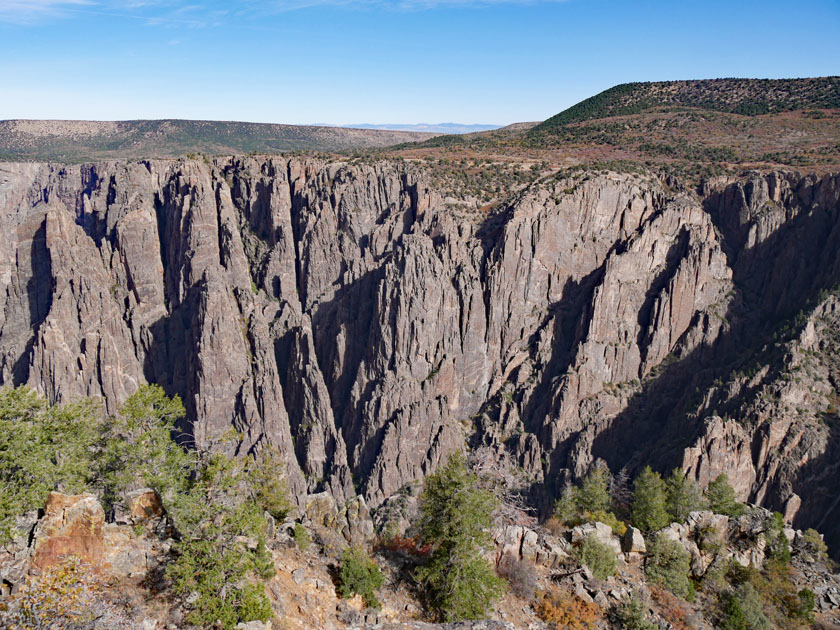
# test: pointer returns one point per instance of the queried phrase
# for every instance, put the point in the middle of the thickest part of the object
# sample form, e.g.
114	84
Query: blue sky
374	61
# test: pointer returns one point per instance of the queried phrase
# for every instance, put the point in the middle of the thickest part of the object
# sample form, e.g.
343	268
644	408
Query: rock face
526	544
71	527
339	312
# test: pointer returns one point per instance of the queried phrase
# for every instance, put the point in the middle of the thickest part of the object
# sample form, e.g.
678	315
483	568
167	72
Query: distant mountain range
77	140
688	121
445	128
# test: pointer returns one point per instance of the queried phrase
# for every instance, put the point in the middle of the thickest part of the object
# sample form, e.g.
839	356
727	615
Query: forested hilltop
688	129
749	97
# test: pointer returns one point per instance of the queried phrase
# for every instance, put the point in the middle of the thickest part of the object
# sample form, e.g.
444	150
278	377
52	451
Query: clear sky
375	61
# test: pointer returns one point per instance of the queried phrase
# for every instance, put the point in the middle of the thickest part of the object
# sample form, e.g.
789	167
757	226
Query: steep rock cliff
341	313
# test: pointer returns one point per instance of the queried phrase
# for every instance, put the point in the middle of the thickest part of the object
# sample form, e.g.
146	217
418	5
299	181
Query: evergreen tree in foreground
721	497
594	493
215	503
593	500
684	496
455	514
649	501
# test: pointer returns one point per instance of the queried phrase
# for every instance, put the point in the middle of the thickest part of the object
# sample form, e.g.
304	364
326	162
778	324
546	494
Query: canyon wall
340	312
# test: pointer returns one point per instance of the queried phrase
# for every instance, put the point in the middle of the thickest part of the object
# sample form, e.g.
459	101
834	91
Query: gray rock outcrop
340	313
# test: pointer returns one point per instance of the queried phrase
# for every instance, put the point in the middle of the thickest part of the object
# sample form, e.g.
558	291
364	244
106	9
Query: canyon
339	310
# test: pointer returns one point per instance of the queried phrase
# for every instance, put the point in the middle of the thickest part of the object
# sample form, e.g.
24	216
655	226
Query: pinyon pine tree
594	493
684	496
721	497
649	501
455	514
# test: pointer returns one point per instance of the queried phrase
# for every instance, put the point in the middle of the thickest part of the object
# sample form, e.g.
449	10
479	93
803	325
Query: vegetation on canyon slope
688	129
213	501
217	505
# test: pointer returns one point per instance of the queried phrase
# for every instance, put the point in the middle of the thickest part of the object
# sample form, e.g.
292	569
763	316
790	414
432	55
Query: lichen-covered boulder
144	505
71	527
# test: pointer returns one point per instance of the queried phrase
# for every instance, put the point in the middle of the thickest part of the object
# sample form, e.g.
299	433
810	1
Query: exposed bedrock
341	313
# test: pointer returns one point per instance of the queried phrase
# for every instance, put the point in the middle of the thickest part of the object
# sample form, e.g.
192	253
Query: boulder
530	548
752	554
790	534
791	509
552	552
71	527
15	554
321	509
124	554
509	538
675	531
299	576
359	525
143	505
520	542
601	599
633	541
601	531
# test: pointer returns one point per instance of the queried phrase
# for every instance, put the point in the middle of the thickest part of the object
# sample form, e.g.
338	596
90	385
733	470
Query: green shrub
777	598
565	509
253	604
738	574
778	547
742	609
807	603
213	563
139	449
267	475
669	565
714	580
600	558
264	560
631	615
43	448
732	614
359	574
593	495
815	543
589	502
455	514
301	536
721	497
649	501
